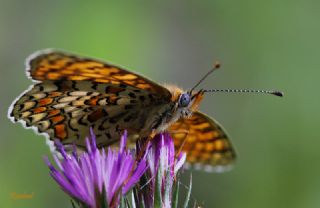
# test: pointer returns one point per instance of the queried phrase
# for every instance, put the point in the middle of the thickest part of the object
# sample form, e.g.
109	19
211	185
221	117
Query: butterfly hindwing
205	142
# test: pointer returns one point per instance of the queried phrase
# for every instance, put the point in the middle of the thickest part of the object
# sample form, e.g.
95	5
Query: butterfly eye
184	100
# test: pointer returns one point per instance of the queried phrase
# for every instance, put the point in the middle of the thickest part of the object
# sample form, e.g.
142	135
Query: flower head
97	175
163	166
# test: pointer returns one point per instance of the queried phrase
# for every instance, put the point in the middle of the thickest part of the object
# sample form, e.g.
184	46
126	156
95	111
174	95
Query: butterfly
72	94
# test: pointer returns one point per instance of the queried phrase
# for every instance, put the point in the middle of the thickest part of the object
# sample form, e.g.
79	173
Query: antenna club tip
278	93
217	65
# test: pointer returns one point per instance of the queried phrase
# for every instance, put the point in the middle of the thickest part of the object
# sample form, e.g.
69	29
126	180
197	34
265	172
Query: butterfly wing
76	93
66	110
205	142
55	65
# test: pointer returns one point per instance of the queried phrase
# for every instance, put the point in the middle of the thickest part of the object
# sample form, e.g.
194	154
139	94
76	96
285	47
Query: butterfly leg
180	147
142	145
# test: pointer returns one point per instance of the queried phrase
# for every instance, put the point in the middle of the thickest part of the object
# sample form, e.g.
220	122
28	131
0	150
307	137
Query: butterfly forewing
54	65
204	140
77	93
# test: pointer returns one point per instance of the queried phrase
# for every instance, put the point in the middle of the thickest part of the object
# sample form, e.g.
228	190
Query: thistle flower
97	178
158	184
102	179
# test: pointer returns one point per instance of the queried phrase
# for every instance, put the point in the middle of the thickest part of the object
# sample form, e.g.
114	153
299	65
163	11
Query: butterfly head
185	101
188	102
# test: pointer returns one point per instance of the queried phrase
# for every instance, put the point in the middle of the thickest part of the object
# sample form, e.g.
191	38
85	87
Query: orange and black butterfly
72	94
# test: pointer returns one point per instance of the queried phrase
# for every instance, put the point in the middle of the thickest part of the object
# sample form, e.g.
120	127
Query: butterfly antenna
271	92
215	67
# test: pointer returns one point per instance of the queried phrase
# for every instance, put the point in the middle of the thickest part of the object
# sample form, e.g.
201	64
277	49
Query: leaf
122	202
72	203
167	189
175	195
157	189
104	202
188	194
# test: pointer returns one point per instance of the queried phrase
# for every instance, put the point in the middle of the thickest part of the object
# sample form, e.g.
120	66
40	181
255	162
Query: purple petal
123	141
180	161
60	148
140	170
81	176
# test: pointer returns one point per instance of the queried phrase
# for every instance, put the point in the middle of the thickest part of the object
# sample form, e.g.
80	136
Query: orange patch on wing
93	75
209	147
125	76
45	101
54	94
84	70
208	136
57	119
89	64
219	145
130	82
202	125
67	72
75	77
103	81
143	86
93	101
53	112
112	99
39	110
61	63
199	146
40	74
109	71
53	75
42	69
60	131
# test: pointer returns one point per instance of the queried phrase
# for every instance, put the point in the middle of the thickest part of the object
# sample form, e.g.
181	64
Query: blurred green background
261	44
